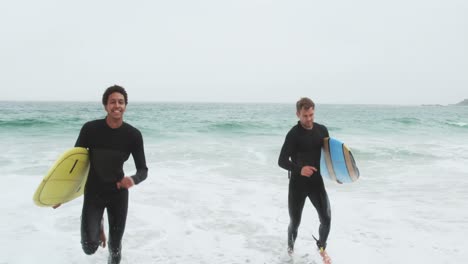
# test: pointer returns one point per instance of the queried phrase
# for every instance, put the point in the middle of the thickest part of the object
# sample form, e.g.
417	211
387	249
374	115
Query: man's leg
117	214
93	209
319	199
296	200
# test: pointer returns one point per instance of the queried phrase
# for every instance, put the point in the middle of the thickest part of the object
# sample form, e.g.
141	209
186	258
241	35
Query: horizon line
225	102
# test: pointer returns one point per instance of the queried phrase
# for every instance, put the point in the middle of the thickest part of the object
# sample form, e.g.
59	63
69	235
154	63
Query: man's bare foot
326	259
102	235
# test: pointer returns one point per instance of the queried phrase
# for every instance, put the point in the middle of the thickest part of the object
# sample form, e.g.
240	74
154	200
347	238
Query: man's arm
325	129
284	160
81	140
140	161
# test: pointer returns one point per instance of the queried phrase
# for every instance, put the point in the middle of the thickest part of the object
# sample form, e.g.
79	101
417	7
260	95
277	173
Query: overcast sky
359	51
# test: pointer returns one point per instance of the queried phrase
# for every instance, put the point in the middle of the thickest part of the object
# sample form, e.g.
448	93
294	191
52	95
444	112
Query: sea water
215	194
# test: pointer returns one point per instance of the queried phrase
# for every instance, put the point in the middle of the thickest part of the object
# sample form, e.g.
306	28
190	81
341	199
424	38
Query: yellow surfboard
65	180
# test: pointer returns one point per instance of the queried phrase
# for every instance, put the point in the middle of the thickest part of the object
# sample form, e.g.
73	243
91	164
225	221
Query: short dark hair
114	89
304	103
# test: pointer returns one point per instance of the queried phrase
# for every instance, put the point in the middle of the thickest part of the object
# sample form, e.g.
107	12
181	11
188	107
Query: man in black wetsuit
110	142
300	155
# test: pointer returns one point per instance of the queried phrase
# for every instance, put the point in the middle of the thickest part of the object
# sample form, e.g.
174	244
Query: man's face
115	106
306	117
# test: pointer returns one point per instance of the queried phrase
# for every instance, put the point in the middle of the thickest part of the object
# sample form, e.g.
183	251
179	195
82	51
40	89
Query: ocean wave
237	127
388	153
405	120
31	123
456	124
25	123
334	128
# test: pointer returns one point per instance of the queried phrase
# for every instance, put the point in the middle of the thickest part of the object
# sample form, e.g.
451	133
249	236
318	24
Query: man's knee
89	248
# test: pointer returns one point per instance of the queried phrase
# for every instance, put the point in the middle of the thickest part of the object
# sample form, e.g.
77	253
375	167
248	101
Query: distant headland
464	102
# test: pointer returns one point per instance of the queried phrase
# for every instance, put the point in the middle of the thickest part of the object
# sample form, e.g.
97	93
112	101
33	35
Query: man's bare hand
307	171
126	183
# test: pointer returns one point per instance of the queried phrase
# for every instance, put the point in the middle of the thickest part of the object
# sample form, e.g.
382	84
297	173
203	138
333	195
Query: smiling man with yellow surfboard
109	143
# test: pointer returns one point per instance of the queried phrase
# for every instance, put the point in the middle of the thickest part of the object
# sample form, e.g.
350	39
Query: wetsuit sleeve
287	150
81	140
325	130
140	161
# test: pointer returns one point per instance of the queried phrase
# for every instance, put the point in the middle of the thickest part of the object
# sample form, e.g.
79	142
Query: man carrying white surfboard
110	142
300	155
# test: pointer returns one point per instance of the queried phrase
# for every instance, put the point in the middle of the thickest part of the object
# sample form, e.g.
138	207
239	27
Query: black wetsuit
108	150
303	147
